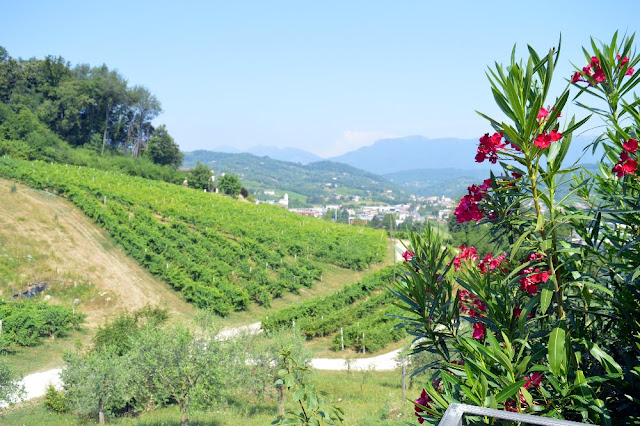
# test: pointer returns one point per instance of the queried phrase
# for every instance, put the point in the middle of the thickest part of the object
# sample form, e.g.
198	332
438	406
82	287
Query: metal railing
455	412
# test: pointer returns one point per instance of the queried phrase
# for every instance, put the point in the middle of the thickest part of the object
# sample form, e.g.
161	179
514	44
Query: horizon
327	79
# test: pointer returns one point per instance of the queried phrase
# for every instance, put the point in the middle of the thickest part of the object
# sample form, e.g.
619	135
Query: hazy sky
323	76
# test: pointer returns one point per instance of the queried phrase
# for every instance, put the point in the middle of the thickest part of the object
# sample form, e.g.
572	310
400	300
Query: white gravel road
35	385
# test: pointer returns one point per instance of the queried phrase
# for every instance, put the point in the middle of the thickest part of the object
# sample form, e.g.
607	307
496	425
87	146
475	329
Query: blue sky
326	76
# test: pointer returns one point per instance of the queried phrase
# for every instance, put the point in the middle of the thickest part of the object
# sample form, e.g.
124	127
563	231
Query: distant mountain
292	155
418	152
318	182
438	182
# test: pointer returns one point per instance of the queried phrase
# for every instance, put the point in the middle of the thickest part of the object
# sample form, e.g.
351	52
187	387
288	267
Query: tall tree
163	149
200	177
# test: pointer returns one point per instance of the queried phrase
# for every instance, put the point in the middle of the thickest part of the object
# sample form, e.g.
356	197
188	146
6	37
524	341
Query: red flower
478	330
489	147
489	262
576	77
544	140
599	76
629	72
468	208
535	380
587	70
631	145
408	255
623	61
529	283
536	256
511	405
516	175
626	166
424	400
465	253
595	62
542	114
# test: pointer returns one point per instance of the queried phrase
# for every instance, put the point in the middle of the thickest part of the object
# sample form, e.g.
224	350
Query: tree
11	389
175	365
230	185
97	382
162	148
244	192
200	177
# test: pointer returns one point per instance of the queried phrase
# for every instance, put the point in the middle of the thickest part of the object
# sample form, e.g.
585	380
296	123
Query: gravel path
35	385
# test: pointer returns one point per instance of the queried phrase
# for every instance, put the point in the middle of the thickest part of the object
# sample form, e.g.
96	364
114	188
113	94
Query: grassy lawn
367	398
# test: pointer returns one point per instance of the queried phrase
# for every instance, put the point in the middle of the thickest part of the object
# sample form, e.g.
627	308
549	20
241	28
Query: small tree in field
11	388
200	177
230	185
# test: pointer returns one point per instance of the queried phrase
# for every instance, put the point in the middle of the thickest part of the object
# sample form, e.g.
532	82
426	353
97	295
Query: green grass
367	398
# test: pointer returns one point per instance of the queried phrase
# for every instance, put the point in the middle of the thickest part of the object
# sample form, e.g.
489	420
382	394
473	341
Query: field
368	398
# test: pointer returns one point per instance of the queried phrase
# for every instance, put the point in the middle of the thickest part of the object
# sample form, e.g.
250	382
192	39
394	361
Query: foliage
117	335
55	400
96	383
162	148
25	322
314	410
200	177
230	185
219	252
11	388
550	327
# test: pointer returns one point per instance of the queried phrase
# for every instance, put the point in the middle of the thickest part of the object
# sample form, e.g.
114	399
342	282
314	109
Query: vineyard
363	307
221	254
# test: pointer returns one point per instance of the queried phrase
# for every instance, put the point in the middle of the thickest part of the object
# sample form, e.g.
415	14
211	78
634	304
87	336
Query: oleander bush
551	326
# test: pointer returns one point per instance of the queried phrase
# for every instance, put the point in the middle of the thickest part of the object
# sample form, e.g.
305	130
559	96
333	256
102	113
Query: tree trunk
184	411
104	135
281	400
100	412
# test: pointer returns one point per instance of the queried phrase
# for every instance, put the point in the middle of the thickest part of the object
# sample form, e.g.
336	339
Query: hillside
319	181
46	239
437	182
222	254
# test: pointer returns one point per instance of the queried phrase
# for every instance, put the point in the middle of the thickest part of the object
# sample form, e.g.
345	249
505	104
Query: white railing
455	412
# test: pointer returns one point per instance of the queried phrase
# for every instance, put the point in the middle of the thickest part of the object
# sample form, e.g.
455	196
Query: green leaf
509	391
546	295
556	352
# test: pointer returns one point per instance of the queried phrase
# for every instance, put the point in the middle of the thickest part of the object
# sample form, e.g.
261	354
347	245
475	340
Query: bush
55	400
551	326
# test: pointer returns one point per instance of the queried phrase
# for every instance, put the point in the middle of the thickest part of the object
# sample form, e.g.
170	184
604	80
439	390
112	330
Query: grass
367	398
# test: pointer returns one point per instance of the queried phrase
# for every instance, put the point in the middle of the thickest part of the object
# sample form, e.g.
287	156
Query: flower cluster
468	208
424	401
407	256
543	114
489	262
628	164
532	279
596	75
534	380
471	305
489	147
465	253
545	139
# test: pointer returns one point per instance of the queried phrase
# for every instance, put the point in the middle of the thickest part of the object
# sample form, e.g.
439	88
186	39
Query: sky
327	77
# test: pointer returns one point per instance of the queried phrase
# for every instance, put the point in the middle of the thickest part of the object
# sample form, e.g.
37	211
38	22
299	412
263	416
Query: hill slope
319	179
46	239
221	253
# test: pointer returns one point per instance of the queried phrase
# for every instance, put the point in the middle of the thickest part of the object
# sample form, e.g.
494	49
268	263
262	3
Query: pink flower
629	72
489	147
631	145
511	405
599	76
542	114
465	253
587	70
468	208
478	330
544	140
529	283
576	77
536	256
626	166
595	62
516	175
623	61
408	255
535	380
424	400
